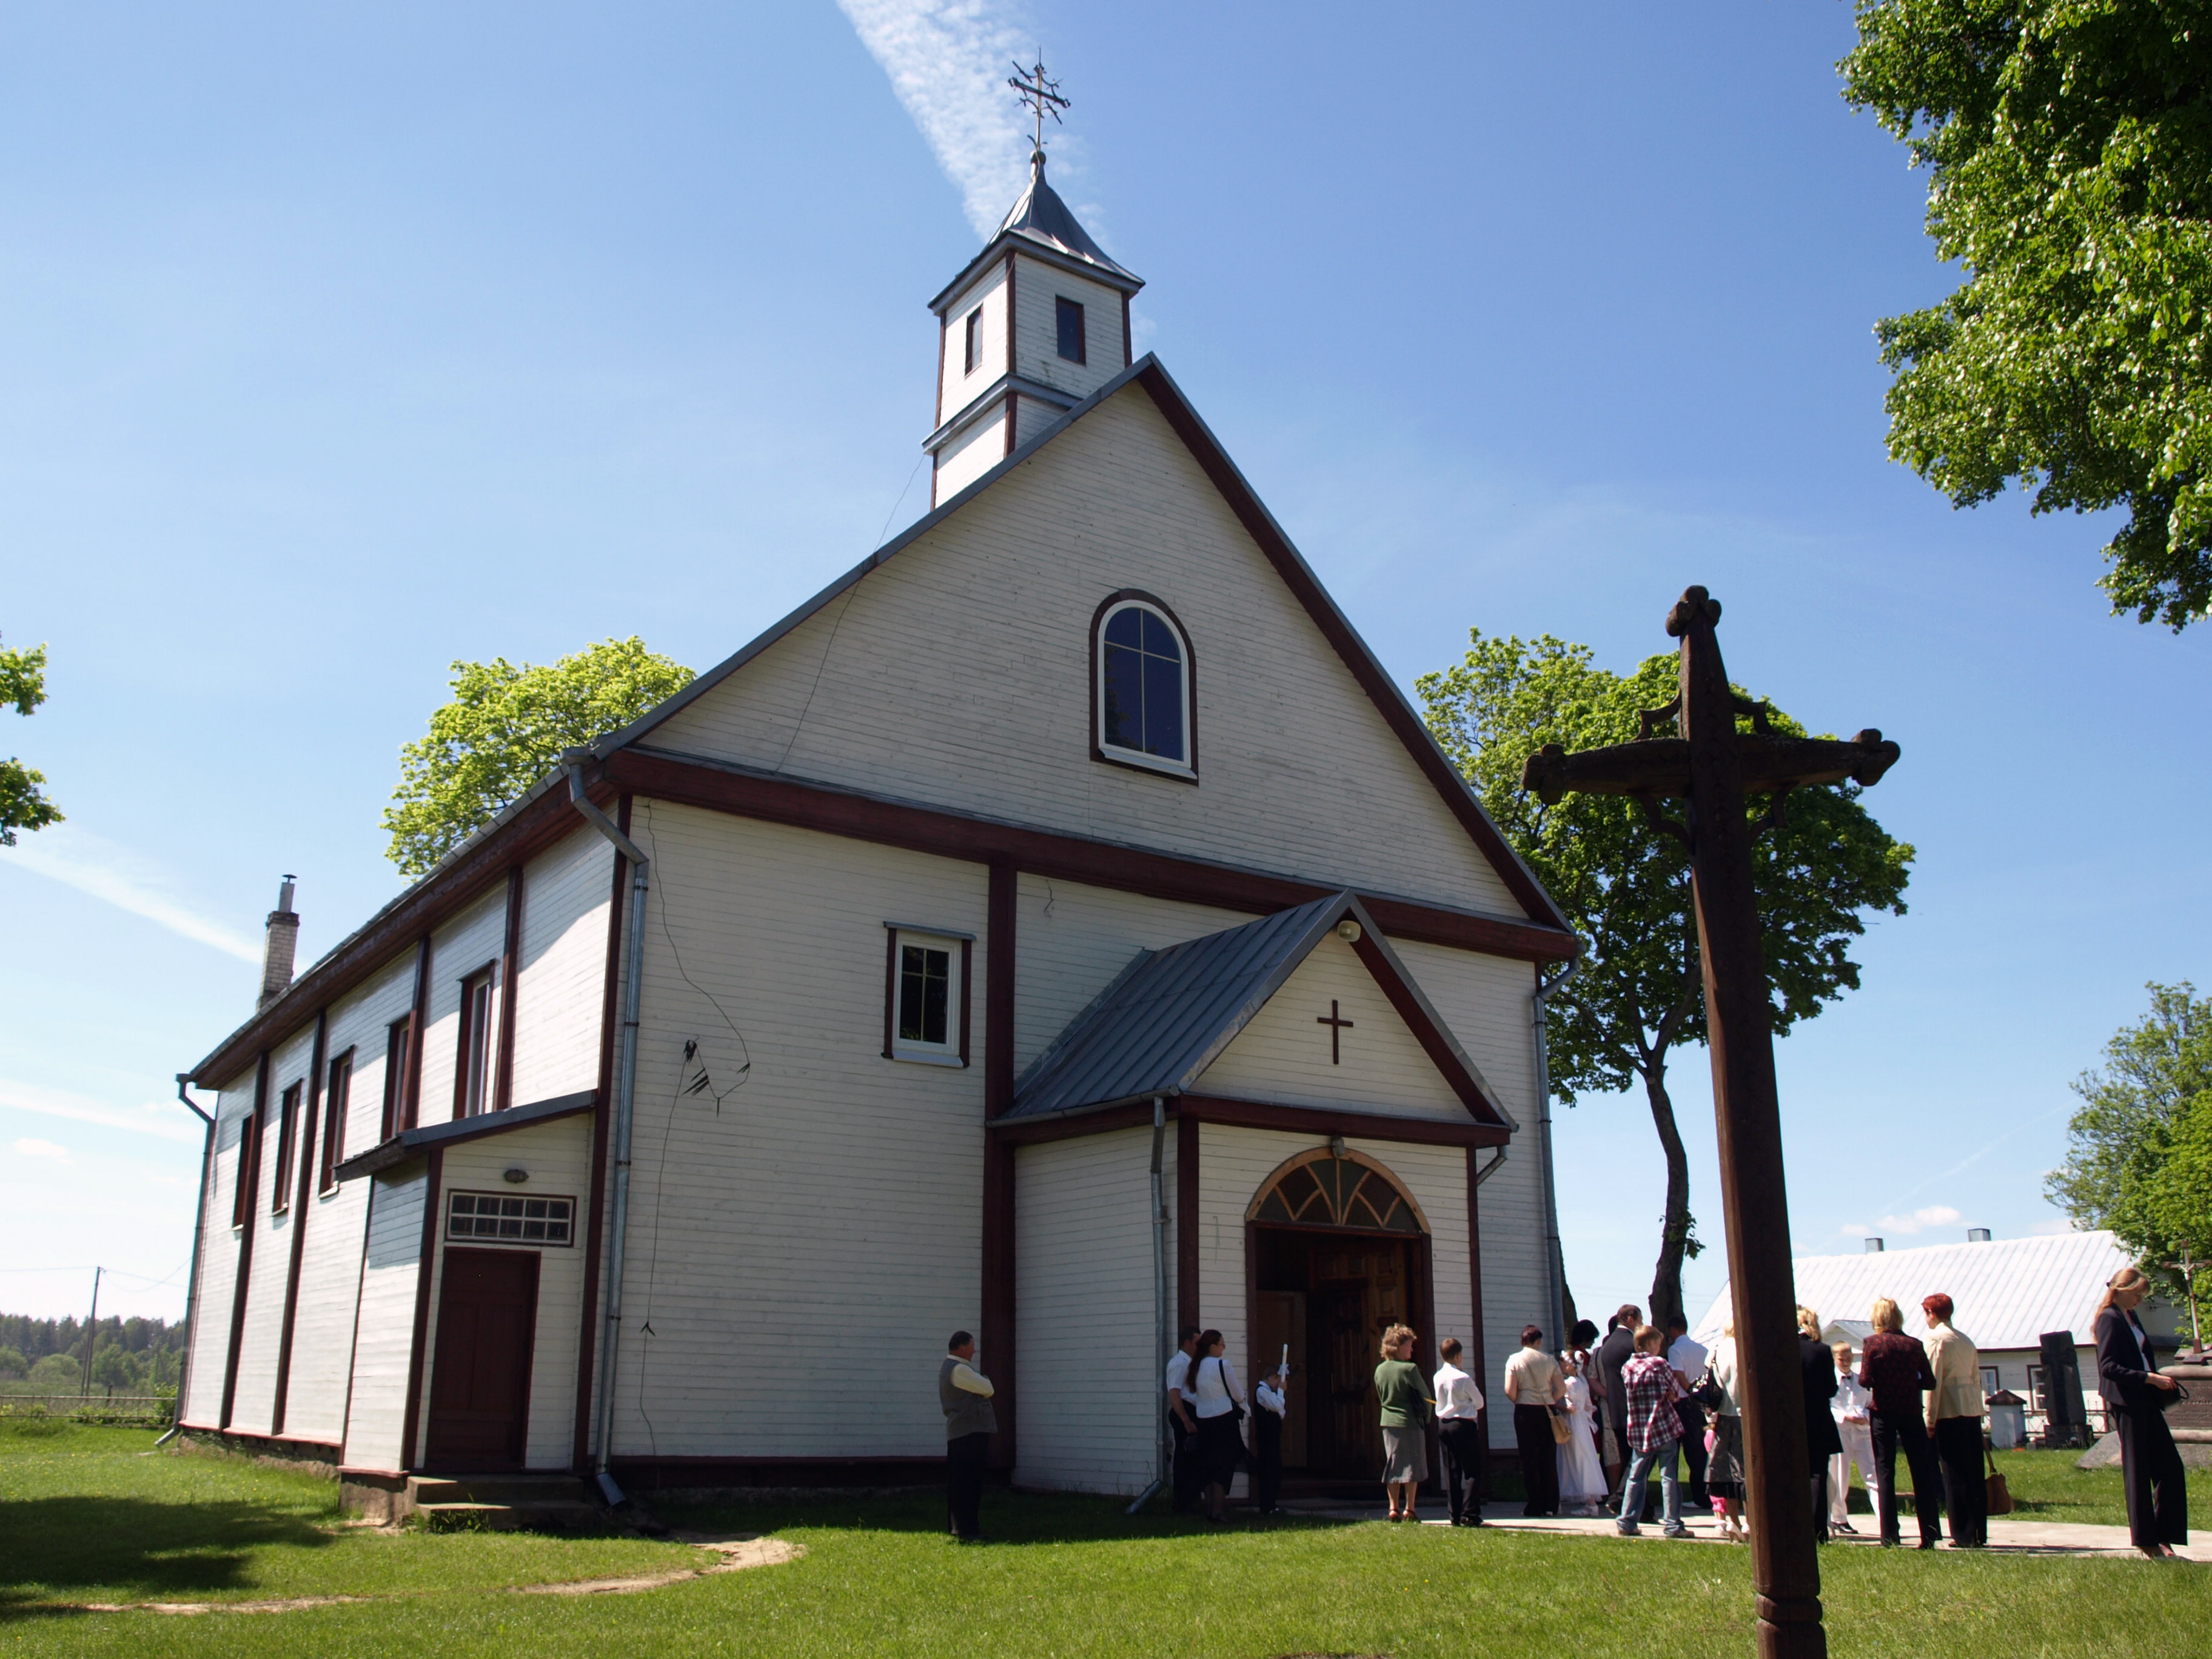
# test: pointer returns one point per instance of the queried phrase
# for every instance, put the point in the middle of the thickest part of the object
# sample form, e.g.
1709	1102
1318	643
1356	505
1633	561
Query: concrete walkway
2007	1536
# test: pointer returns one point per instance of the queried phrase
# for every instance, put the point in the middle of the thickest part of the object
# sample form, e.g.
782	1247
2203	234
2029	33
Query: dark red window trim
891	932
288	1141
485	979
337	1096
397	1037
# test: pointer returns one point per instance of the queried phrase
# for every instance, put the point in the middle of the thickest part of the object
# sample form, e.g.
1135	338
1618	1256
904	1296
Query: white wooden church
1061	927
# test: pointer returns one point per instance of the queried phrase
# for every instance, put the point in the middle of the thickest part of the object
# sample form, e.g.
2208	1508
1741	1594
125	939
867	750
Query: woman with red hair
1954	1418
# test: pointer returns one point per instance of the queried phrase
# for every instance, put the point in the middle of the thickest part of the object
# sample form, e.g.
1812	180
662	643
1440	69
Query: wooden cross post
1712	767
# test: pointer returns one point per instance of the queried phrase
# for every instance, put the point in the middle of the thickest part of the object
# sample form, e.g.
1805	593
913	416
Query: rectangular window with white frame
479	1011
926	983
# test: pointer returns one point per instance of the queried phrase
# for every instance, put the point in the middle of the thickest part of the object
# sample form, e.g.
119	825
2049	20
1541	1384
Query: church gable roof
676	724
1172	1013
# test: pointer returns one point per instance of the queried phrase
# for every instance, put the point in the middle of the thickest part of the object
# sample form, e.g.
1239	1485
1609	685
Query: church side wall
834	1197
985	622
1084	1290
560	995
329	1265
557	1158
385	1336
1484	1001
253	1405
219	1257
1072	940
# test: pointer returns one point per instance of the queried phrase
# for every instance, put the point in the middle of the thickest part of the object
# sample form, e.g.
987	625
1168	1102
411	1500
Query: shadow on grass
1008	1517
130	1549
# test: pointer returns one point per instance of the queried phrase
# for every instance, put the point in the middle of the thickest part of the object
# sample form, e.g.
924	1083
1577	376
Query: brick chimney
283	940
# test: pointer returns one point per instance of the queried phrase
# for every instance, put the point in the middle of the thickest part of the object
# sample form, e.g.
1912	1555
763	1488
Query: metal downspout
1555	1264
192	1281
625	1093
1162	1450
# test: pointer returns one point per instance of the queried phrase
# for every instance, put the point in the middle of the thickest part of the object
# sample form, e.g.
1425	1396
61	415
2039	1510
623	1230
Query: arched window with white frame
1142	687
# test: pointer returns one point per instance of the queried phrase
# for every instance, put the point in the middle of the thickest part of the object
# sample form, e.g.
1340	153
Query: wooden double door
480	1381
1328	1295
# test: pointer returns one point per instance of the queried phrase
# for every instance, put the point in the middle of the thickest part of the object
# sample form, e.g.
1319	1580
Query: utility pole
1711	767
91	1332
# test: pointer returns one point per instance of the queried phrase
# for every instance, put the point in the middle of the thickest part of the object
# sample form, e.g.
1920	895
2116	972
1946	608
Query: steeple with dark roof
1032	324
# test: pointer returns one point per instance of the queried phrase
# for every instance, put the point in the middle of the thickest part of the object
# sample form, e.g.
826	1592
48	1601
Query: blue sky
339	343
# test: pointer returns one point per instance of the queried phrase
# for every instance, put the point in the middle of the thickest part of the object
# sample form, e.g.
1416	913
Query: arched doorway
1336	1251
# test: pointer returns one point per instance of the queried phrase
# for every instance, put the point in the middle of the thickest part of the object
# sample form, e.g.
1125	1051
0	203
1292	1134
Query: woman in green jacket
1406	1407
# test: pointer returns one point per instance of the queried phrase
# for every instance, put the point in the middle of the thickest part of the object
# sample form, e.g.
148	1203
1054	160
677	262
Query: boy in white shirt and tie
1459	1406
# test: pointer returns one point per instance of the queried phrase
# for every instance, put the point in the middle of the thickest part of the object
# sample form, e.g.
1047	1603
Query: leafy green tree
115	1367
12	1363
23	683
504	729
58	1373
2139	1158
1638	993
2068	149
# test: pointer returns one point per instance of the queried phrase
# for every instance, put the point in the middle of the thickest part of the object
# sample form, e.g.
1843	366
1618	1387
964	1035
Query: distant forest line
129	1356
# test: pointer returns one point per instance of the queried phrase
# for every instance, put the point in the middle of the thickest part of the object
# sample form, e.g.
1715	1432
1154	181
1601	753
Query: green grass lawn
88	1514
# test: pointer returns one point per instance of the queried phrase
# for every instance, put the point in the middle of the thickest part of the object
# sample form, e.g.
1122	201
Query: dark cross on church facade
1711	767
1337	1028
1040	96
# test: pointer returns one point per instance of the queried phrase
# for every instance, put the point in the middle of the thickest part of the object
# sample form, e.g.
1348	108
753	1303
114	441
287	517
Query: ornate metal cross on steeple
1337	1028
1040	96
1711	767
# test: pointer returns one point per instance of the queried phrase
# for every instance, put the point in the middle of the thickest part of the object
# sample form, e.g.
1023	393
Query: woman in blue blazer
2137	1396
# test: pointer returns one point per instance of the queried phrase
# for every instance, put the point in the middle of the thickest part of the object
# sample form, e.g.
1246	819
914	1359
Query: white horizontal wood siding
330	1262
557	1156
1037	330
835	1191
1284	1053
1072	940
960	674
1484	1001
960	385
1234	1163
385	1336
974	453
252	1407
1084	1292
219	1251
470	942
561	993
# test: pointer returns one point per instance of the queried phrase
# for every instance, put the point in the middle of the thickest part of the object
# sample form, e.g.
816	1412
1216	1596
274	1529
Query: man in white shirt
1687	1359
965	1394
1272	1398
1459	1426
1852	1405
1182	1427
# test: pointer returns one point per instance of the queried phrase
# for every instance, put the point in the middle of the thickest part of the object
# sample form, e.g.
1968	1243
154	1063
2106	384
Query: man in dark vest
969	1423
1613	1353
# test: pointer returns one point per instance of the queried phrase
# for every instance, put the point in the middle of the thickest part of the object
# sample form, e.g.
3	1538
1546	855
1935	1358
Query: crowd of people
1596	1422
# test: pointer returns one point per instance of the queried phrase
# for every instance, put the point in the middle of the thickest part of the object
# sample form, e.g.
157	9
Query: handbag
1709	1392
1562	1427
1999	1494
1236	1411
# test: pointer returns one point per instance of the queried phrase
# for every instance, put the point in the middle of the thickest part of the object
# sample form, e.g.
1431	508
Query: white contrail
166	1119
948	61
93	865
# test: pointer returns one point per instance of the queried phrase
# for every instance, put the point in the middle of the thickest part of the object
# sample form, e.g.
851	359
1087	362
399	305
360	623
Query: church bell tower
1035	324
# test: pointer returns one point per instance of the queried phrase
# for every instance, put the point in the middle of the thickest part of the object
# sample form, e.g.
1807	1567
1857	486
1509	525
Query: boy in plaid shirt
1652	1388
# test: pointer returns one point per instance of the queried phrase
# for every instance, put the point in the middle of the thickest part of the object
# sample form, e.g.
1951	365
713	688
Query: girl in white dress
1582	1478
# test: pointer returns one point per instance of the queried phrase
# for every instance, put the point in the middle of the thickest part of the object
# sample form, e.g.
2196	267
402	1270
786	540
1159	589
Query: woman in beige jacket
1954	1418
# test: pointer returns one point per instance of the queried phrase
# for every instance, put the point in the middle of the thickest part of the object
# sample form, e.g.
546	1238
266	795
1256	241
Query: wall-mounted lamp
1336	1145
517	1176
1348	931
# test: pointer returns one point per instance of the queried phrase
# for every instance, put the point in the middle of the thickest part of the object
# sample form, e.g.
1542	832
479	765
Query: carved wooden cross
1711	767
1337	1028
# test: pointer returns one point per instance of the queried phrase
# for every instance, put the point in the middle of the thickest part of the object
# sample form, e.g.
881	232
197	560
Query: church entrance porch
1337	1252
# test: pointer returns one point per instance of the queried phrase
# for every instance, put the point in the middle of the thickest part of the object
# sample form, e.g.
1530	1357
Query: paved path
2007	1537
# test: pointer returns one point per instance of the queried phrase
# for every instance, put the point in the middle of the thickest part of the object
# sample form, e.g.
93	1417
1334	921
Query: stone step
508	1517
519	1489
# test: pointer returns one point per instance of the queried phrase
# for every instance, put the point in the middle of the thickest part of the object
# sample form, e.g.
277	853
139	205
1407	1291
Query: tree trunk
1674	1234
